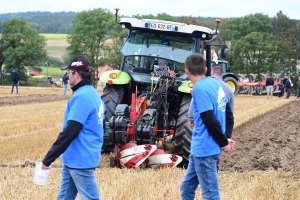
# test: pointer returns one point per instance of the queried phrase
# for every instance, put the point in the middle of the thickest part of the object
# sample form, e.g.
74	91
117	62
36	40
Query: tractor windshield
149	44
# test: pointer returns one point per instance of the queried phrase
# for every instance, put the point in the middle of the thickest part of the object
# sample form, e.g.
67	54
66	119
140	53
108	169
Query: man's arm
229	121
214	127
190	114
63	141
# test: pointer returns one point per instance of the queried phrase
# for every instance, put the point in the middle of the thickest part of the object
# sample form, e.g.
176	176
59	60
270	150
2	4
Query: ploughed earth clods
270	141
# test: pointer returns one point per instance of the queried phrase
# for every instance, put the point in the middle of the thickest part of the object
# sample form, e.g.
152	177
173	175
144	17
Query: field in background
28	131
56	45
55	72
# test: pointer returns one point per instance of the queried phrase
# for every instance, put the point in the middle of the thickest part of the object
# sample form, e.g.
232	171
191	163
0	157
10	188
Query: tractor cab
156	43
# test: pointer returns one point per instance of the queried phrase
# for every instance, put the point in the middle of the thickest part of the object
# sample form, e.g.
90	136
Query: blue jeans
80	181
13	85
298	93
66	89
203	171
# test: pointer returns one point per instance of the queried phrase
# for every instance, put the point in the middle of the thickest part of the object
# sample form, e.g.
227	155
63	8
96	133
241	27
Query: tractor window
157	45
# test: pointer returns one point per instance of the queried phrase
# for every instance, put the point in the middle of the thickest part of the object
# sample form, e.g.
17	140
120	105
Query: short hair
218	70
85	75
195	64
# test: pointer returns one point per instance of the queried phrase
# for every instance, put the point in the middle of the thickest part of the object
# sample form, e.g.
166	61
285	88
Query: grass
54	36
55	72
26	136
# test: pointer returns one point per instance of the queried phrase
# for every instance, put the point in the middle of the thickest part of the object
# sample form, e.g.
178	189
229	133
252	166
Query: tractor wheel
259	90
233	84
183	135
112	96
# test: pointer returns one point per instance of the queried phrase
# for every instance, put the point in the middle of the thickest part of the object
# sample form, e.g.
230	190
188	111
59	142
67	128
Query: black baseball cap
79	63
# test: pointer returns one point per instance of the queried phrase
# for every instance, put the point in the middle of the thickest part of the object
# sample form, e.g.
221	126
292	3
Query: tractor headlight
113	75
191	84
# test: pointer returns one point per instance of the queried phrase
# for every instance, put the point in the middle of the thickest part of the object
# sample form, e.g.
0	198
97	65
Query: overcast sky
212	8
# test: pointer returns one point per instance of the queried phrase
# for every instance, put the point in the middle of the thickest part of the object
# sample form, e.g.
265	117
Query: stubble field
265	164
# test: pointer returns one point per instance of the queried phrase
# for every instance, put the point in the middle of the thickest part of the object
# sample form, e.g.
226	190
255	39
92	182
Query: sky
212	8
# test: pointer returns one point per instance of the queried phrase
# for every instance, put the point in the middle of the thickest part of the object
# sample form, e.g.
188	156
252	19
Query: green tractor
145	107
229	78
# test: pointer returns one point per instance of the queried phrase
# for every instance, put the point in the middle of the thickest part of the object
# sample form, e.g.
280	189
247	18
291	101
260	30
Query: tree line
257	43
62	22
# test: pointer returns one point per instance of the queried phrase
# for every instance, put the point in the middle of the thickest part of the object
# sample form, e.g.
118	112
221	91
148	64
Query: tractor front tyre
233	84
112	96
183	135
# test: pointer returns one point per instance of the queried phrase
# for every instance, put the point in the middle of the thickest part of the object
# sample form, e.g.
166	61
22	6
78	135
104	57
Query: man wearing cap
81	138
15	81
165	67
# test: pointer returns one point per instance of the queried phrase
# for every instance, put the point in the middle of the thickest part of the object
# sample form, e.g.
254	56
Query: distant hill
44	22
29	15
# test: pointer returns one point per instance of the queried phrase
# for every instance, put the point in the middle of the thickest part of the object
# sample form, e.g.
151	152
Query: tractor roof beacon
146	111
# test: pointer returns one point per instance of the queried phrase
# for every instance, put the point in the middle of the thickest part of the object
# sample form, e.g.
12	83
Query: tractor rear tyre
112	96
183	135
233	84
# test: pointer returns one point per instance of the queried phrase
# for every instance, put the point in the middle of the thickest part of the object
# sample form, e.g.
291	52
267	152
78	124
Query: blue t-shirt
87	108
208	95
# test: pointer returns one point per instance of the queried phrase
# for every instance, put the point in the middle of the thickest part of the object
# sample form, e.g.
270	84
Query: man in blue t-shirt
81	138
208	138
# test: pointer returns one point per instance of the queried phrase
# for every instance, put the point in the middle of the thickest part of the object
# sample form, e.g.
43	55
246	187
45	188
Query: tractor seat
139	70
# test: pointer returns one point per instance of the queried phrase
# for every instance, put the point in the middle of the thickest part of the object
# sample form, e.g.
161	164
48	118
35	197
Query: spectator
288	87
15	81
298	88
65	80
269	86
81	138
208	137
281	87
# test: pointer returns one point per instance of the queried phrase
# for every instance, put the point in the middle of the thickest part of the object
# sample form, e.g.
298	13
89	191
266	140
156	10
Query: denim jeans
80	181
298	93
66	89
13	85
203	171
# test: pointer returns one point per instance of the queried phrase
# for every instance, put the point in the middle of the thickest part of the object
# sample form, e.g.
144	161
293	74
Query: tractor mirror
224	52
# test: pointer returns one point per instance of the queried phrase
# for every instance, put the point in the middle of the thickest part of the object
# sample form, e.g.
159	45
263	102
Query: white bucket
40	175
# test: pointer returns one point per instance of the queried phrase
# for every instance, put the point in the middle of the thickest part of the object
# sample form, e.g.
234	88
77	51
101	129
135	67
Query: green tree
287	42
114	42
252	47
89	35
159	16
21	46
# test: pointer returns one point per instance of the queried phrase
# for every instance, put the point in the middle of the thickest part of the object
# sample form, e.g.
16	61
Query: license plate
161	26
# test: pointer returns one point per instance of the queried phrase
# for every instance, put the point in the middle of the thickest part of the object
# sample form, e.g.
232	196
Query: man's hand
191	124
172	73
230	147
44	166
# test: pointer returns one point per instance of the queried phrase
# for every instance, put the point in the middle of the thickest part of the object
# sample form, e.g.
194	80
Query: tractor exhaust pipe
208	48
117	10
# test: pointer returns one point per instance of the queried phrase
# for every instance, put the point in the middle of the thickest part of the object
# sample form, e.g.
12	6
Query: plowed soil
270	141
